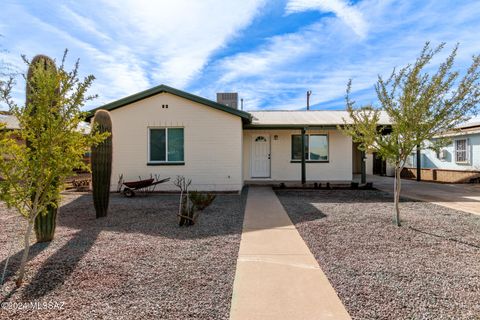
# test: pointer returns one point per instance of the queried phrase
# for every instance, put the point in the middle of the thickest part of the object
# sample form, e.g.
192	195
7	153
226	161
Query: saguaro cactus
102	164
45	223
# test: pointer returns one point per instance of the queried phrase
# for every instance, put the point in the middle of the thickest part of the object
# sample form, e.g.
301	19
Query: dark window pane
297	147
157	145
318	148
175	144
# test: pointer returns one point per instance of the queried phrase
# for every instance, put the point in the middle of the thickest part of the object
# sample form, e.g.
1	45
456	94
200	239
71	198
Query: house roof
10	121
471	125
162	89
311	118
465	129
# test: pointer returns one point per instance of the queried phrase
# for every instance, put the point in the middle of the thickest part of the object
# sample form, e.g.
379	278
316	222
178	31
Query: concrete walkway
463	197
277	276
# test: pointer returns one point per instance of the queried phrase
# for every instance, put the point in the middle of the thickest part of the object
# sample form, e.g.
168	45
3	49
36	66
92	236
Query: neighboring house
170	132
457	162
11	122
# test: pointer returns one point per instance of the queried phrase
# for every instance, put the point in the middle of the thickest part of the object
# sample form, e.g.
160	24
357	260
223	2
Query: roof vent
228	98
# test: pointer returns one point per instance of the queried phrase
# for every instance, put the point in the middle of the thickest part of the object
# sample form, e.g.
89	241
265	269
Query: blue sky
271	52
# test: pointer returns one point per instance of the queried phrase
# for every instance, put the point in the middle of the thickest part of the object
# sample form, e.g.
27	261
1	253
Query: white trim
166	144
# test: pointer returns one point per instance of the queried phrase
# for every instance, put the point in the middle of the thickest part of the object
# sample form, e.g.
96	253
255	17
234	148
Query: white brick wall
213	143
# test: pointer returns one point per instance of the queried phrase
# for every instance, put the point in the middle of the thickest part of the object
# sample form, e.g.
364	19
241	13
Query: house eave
288	127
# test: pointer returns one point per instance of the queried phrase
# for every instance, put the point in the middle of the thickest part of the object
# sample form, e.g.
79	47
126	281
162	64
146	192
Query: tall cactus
102	164
46	223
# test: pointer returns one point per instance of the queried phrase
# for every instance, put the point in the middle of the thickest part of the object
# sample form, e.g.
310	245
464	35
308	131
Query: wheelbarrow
128	188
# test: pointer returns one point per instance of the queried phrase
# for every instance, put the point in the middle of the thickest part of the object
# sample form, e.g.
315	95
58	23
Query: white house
457	162
170	132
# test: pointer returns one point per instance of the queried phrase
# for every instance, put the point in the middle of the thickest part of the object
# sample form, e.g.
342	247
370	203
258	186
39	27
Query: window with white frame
461	151
316	147
165	145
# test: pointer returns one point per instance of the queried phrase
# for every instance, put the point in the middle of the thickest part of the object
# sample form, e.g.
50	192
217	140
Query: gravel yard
384	272
135	264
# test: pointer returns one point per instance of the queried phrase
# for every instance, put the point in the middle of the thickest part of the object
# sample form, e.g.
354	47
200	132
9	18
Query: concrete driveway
464	197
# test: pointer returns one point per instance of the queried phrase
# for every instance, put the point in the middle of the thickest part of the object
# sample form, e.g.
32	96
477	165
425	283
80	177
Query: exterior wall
369	163
447	170
338	169
212	143
431	161
356	159
390	170
442	175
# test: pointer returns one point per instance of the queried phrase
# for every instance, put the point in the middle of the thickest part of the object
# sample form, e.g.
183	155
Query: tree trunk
396	195
26	250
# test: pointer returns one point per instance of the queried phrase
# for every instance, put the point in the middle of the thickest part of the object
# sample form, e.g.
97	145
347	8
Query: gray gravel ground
135	264
384	272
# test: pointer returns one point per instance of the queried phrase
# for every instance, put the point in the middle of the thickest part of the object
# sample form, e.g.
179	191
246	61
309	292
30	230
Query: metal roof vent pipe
309	93
229	99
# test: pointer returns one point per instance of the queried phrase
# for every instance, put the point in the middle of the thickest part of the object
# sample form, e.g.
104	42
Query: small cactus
45	223
191	202
102	164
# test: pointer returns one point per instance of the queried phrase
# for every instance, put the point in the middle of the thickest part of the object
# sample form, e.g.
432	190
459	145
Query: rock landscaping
427	269
134	264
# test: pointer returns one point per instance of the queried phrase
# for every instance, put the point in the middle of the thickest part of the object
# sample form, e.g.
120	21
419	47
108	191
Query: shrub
201	200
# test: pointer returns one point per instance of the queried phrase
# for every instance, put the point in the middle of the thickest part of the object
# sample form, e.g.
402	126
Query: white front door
260	156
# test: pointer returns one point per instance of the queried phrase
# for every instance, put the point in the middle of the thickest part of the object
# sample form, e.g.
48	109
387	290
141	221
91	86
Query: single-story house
457	162
169	132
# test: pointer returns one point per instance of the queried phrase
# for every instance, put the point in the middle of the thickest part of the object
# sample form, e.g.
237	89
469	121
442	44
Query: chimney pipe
241	104
309	93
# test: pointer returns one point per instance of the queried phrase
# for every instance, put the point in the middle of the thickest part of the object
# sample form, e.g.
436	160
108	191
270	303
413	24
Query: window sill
310	161
165	163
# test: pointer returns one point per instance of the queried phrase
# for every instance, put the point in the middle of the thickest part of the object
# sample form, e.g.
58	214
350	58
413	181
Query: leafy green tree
420	106
50	123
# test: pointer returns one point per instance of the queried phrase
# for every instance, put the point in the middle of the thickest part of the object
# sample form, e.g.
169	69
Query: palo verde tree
420	105
50	123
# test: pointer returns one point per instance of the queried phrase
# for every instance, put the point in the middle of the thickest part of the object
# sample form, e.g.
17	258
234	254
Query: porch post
303	157
419	164
363	167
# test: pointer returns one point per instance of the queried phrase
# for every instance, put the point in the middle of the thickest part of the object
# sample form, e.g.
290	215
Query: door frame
252	142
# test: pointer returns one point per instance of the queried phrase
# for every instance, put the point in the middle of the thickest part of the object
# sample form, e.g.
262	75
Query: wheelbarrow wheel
127	192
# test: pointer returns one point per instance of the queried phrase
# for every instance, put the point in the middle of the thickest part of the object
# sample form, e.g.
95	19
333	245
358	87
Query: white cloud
130	45
133	45
349	14
180	37
325	55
